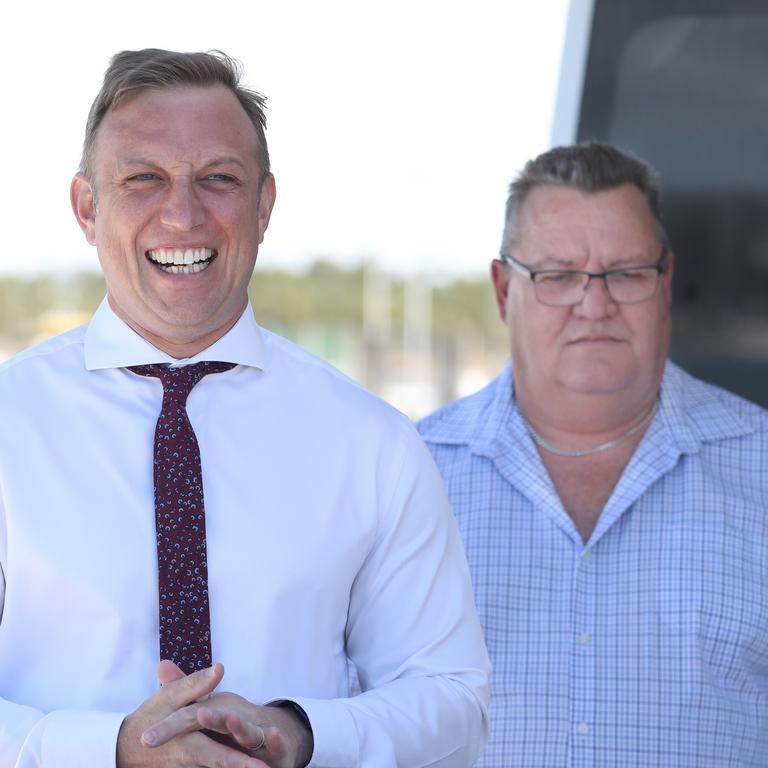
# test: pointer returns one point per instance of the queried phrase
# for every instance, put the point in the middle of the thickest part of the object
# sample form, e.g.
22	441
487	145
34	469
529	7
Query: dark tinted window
683	85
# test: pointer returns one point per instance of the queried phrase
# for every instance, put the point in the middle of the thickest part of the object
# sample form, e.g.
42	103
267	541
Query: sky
394	127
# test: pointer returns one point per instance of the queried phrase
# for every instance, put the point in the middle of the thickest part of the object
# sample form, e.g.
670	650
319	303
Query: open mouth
179	262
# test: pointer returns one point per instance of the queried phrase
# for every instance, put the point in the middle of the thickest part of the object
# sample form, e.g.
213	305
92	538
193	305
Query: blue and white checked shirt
648	646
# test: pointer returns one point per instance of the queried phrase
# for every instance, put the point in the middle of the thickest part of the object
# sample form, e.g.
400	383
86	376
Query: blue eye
221	177
144	177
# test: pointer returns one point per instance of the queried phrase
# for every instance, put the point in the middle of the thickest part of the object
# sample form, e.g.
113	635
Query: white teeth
179	262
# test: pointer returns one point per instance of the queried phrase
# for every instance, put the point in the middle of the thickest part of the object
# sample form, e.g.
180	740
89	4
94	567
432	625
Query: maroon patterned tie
185	626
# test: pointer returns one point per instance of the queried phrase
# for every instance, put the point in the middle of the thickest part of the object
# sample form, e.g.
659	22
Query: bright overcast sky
394	127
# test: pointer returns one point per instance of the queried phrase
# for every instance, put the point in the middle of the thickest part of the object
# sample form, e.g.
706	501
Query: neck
179	345
624	437
593	425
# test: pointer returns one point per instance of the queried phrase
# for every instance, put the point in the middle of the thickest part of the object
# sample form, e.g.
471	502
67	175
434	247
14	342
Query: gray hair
589	167
132	71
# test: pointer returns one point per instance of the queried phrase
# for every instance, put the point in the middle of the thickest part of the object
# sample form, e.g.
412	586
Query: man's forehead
557	209
191	119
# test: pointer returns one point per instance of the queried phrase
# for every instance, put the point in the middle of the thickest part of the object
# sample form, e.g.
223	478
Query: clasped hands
185	723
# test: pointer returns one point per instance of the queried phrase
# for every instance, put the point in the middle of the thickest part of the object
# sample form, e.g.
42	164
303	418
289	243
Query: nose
181	209
596	302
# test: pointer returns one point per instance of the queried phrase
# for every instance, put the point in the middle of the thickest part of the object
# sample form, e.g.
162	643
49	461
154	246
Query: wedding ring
262	742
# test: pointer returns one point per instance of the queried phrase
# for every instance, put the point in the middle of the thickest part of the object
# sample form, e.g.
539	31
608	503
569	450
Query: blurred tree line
322	308
324	295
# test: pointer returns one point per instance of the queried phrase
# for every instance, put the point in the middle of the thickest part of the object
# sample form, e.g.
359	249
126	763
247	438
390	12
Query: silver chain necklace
547	446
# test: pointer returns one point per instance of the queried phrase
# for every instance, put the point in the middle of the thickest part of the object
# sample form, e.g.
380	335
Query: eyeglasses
566	287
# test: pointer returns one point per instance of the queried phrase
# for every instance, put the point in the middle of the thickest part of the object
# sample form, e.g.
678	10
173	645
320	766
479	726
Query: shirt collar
694	412
480	420
112	343
691	413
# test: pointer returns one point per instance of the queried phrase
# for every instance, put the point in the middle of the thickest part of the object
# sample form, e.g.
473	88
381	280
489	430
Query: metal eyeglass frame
660	266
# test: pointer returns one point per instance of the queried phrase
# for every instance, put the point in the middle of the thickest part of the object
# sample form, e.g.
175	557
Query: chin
596	382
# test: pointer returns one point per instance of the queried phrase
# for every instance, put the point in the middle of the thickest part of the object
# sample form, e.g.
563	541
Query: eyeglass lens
568	288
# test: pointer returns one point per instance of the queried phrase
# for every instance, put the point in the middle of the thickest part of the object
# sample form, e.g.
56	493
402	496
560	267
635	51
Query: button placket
583	662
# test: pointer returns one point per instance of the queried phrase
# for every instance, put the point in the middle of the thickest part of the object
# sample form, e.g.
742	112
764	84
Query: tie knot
178	382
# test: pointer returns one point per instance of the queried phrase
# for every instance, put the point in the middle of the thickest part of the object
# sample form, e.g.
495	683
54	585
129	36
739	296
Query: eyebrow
559	264
225	160
630	261
214	161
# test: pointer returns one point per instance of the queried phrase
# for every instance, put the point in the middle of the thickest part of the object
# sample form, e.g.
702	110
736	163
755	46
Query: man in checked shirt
614	509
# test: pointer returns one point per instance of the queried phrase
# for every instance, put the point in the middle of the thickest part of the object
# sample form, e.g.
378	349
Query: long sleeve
328	533
30	738
415	639
62	738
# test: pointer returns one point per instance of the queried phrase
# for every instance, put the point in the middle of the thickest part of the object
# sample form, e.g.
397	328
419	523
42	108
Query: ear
81	196
500	278
266	203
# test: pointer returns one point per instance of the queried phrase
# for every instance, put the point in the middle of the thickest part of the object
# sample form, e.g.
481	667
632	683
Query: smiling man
184	493
614	509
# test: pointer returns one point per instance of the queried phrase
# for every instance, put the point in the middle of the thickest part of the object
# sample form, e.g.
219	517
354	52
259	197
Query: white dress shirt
329	537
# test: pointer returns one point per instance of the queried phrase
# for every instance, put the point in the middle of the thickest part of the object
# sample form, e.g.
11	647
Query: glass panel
686	91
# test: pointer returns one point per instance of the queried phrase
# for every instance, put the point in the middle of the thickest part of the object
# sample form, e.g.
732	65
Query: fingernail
149	738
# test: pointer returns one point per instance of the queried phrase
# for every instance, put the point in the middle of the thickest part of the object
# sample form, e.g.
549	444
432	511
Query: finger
199	750
180	722
179	696
247	733
263	740
189	688
167	672
213	719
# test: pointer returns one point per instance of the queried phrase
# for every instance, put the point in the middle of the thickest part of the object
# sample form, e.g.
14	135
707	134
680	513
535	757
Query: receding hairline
133	71
524	218
126	97
588	167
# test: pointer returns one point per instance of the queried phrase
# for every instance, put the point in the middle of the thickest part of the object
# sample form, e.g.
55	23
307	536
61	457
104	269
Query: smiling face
597	347
176	208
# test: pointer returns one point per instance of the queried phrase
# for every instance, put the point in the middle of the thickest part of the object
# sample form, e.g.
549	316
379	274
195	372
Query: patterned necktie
185	626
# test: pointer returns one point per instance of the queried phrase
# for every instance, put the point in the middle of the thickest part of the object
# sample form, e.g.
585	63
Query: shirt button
583	728
587	555
583	638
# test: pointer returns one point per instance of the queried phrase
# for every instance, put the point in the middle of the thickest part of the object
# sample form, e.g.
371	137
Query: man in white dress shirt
329	536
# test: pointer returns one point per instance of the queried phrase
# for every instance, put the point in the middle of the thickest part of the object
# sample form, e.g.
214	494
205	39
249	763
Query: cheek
650	331
535	332
118	230
544	326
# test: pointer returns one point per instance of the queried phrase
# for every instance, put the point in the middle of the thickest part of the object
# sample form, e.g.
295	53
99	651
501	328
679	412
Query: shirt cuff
336	742
72	739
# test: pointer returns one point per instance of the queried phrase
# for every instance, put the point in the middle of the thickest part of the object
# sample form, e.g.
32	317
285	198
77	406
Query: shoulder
724	438
708	413
470	418
312	385
58	352
41	379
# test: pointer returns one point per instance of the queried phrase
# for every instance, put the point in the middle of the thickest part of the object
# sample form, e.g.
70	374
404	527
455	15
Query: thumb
180	689
167	672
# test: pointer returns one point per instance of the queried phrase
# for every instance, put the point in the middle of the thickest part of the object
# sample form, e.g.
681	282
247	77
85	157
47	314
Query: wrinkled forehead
614	219
181	122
